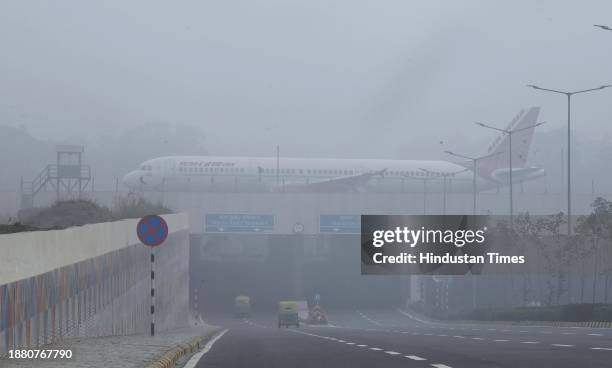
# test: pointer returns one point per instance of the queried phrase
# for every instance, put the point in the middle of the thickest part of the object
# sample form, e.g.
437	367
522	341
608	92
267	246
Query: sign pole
152	231
152	291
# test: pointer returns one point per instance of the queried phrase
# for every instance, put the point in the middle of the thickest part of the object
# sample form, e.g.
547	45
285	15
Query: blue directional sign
152	230
340	224
238	223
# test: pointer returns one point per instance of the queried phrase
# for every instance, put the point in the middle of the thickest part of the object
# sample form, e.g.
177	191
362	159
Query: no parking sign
152	230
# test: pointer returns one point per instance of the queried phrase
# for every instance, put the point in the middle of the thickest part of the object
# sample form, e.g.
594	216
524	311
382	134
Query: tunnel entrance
270	268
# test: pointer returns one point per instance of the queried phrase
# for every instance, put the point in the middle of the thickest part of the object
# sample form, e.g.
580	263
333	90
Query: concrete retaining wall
92	280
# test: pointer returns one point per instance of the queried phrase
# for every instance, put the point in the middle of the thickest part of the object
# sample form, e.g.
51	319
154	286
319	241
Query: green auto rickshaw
242	306
288	314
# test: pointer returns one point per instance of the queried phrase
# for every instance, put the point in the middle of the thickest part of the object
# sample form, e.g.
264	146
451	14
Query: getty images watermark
444	245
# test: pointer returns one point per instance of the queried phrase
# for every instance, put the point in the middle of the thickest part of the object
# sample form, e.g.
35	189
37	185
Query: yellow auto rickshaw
288	314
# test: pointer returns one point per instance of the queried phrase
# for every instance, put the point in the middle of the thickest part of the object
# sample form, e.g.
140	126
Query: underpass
286	267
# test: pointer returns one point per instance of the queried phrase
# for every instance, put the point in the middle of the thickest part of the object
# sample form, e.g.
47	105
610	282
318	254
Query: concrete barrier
92	280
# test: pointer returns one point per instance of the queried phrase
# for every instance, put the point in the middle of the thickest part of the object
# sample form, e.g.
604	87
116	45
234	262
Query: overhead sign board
340	224
238	223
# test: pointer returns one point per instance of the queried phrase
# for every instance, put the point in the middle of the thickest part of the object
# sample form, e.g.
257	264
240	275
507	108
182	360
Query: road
389	338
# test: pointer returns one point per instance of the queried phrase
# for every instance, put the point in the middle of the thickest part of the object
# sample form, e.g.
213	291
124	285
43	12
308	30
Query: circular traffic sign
152	230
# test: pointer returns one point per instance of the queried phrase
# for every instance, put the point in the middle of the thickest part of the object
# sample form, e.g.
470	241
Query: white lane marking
564	345
595	334
477	338
568	333
197	356
362	346
530	342
390	352
369	319
459	337
601	349
414	317
501	340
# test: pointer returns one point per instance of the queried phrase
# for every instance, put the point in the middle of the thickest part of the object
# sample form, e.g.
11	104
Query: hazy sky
322	78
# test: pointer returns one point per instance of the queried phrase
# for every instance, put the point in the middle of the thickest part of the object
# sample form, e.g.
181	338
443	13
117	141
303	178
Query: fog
359	78
354	79
395	79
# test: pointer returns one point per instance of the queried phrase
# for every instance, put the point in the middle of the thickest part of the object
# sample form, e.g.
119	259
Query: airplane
256	174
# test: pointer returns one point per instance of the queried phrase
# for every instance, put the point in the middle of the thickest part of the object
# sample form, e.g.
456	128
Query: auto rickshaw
242	306
288	314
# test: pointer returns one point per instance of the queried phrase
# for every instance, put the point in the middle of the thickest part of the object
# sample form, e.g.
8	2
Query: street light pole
509	132
277	165
474	168
444	177
602	26
569	176
424	180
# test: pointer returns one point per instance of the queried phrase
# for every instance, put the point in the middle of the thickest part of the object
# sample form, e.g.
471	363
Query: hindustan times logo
412	238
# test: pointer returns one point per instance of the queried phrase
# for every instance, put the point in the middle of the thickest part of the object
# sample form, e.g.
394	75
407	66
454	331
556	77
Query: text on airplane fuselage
207	164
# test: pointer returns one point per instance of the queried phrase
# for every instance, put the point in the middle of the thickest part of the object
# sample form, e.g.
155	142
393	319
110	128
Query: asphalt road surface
390	338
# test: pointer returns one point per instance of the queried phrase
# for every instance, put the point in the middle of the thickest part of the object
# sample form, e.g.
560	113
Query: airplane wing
340	183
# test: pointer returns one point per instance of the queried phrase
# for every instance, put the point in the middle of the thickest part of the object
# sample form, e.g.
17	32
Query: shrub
566	313
136	207
68	213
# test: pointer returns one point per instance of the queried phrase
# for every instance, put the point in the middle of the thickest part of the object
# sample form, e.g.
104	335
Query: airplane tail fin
499	149
521	141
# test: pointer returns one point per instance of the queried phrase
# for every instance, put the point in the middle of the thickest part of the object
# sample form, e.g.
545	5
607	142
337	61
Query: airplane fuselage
209	173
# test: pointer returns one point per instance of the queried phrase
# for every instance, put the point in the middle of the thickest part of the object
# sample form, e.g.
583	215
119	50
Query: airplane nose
131	180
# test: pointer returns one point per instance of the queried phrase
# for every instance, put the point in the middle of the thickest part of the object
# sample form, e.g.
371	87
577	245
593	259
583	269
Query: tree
595	229
557	253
